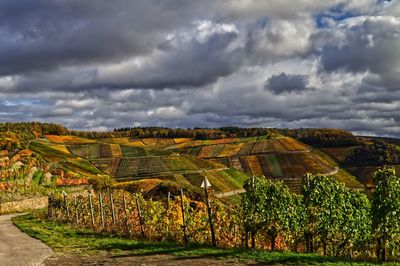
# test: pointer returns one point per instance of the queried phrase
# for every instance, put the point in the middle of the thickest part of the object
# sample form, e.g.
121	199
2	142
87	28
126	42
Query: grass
83	165
65	238
275	166
48	151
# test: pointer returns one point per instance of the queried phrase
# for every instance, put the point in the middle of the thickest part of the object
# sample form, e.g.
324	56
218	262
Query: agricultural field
107	165
150	160
279	145
187	161
156	165
52	152
96	151
221	180
133	151
68	139
279	165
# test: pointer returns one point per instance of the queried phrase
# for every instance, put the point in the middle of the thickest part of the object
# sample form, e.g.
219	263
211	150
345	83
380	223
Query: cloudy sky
97	65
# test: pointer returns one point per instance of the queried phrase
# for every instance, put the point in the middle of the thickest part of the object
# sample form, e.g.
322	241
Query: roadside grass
64	238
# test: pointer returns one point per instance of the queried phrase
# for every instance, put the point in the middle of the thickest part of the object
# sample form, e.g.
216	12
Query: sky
99	65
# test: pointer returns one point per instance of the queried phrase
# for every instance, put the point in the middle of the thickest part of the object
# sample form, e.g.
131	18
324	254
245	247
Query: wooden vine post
166	213
207	184
168	199
253	235
126	214
76	211
66	205
309	235
50	210
101	209
91	209
112	208
140	217
80	205
185	238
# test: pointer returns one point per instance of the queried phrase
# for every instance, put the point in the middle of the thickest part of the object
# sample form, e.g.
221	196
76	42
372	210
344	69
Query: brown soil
162	259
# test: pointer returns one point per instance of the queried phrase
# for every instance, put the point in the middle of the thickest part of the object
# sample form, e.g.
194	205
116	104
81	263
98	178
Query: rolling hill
157	164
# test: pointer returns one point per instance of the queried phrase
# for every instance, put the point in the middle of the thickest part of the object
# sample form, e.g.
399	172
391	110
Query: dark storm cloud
286	83
43	35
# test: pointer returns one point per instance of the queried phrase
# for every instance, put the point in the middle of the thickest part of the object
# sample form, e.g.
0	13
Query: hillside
280	158
140	165
227	156
364	159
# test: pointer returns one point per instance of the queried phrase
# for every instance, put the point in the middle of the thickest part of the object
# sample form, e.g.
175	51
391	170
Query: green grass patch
132	151
275	166
65	238
82	165
48	151
239	176
348	179
37	177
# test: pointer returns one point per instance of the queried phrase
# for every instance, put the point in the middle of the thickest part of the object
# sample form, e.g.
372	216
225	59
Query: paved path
19	249
171	173
230	193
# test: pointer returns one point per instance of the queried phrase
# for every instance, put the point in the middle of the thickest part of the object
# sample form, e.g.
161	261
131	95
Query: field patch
96	151
68	139
49	151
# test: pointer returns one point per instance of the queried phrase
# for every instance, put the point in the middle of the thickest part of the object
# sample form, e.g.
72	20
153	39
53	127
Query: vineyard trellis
326	217
178	218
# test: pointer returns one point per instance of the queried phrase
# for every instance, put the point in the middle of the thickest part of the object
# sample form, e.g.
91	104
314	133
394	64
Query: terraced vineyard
280	145
278	165
189	161
138	167
96	151
282	158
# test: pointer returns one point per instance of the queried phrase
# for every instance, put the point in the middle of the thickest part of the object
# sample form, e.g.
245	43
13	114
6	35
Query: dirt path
230	193
153	260
17	248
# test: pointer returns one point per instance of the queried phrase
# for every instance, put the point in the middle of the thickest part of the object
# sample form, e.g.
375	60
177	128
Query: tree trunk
384	254
253	239
381	252
273	240
378	249
246	239
309	242
324	246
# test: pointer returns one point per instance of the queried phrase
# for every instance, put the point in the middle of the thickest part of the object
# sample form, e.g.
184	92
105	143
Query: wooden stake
210	219
101	209
168	199
166	213
76	211
140	217
112	208
126	214
66	205
91	209
183	219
